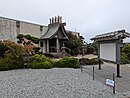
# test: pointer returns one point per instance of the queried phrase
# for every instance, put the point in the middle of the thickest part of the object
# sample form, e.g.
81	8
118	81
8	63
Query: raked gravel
51	83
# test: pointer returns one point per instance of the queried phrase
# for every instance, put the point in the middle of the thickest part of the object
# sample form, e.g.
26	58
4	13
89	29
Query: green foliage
20	36
39	61
13	56
126	50
29	37
91	48
74	43
74	52
94	45
124	59
39	65
3	48
89	61
125	54
33	39
36	49
39	58
68	62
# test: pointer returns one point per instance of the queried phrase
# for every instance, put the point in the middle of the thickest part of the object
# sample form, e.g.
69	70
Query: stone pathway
122	83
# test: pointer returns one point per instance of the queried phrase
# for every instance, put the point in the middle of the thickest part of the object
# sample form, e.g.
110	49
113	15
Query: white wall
108	51
31	29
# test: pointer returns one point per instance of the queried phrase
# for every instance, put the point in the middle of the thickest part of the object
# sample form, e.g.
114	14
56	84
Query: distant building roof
53	29
74	33
111	36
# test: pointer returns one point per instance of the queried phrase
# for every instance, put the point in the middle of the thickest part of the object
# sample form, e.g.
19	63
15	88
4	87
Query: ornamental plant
12	56
39	61
67	62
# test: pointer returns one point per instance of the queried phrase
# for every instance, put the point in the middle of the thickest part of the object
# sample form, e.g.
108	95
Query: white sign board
110	82
108	51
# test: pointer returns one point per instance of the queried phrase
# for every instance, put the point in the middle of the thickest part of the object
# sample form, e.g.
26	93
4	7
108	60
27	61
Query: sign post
111	83
114	83
81	66
109	47
93	72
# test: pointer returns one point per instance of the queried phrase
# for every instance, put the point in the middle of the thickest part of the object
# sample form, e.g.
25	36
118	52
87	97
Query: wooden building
53	39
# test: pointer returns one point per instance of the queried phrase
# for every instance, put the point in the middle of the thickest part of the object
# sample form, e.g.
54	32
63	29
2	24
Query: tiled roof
52	29
111	36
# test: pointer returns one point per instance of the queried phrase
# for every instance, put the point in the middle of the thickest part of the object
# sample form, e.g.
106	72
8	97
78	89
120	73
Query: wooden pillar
118	70
118	55
41	45
99	56
47	45
44	46
57	45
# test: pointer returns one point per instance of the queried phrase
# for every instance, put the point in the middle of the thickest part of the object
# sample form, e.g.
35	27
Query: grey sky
90	17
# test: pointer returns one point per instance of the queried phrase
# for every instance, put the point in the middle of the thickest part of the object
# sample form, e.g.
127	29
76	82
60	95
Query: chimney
53	20
61	19
58	19
50	21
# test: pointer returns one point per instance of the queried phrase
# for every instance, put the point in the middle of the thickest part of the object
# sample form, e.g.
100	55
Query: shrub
39	61
36	49
4	64
47	65
3	48
20	37
33	39
57	64
74	52
85	61
38	58
124	59
93	61
126	50
51	61
39	65
68	62
12	57
74	43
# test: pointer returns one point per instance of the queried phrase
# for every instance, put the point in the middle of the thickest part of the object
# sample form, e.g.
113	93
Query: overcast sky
89	17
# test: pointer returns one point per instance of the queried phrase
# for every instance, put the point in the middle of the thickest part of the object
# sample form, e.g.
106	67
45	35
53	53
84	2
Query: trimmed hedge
89	61
44	65
67	62
39	61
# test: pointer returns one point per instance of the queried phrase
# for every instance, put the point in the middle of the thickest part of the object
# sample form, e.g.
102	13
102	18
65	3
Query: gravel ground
51	83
